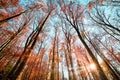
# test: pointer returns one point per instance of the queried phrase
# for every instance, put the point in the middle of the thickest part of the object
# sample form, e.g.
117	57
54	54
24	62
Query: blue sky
83	1
80	1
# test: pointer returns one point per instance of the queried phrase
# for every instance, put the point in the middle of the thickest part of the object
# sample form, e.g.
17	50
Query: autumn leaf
8	3
90	5
63	9
101	1
3	15
58	59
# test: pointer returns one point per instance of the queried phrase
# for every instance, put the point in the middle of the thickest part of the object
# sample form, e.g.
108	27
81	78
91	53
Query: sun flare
92	66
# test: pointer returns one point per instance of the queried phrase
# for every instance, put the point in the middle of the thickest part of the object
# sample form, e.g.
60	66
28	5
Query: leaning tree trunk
99	69
24	57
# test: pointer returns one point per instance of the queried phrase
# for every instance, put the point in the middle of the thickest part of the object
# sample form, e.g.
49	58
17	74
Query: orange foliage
3	15
101	1
63	9
18	54
6	13
90	5
58	59
8	3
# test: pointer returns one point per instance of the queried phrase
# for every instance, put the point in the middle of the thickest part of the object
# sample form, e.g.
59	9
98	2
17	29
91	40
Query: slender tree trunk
24	57
113	72
100	71
68	67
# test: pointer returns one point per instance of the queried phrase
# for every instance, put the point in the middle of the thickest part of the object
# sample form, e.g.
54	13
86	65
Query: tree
30	43
73	20
59	40
68	51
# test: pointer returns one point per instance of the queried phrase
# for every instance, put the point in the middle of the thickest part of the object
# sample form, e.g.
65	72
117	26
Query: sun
92	66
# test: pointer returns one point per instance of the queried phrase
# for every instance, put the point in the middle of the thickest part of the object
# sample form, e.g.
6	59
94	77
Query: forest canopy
59	39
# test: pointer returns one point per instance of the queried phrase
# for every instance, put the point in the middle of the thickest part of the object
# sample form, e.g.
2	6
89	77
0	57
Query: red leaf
101	1
90	5
63	9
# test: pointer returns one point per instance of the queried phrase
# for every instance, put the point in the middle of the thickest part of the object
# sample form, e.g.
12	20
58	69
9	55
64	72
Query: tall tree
29	46
73	16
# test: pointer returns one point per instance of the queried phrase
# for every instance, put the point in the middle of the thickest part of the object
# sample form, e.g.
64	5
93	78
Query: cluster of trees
59	40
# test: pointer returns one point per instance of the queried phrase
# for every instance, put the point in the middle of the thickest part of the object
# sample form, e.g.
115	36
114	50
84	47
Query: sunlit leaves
92	3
